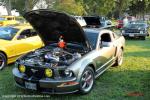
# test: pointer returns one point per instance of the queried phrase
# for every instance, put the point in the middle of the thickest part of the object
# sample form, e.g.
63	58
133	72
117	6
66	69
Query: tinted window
136	25
2	19
28	33
7	33
92	37
10	18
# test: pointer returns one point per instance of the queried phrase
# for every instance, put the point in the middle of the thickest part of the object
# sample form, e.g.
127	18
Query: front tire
3	61
87	81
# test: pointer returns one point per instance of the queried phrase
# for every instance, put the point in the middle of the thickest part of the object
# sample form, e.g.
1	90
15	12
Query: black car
138	29
97	21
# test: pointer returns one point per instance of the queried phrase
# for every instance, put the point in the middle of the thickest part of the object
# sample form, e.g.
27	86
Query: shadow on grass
139	43
138	54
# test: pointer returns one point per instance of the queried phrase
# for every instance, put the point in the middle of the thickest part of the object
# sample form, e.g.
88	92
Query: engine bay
53	56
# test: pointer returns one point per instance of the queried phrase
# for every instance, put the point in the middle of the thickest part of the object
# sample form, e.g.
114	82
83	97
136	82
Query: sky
4	12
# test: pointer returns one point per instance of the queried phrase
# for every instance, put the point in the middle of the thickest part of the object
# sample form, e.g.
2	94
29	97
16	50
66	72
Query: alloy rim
87	81
1	62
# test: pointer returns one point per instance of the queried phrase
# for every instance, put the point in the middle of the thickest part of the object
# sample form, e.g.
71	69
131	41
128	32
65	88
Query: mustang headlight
141	32
68	73
48	72
22	68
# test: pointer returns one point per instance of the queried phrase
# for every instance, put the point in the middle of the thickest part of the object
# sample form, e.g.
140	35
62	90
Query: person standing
125	21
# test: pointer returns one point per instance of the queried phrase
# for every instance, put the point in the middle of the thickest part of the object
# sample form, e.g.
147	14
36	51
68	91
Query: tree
97	7
29	4
139	7
69	6
7	4
23	6
121	7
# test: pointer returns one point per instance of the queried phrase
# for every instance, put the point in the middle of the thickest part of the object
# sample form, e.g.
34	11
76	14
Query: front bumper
133	35
46	85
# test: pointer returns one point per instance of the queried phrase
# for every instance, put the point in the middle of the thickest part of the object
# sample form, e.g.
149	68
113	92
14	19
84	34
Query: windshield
136	25
7	33
92	37
1	19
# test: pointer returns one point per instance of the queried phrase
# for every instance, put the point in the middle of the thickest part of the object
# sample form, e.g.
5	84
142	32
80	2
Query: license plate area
31	86
131	35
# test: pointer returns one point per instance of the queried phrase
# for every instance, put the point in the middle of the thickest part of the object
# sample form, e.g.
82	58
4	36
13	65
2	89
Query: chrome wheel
2	61
87	80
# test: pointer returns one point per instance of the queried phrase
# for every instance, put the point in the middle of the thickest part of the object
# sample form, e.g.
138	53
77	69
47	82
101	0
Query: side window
9	18
33	32
105	40
27	33
106	37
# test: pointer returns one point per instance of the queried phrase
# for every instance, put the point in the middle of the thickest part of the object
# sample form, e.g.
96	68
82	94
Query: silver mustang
72	56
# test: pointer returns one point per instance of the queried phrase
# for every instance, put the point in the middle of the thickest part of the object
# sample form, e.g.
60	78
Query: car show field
127	82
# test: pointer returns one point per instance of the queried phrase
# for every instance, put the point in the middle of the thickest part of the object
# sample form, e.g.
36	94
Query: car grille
35	72
132	31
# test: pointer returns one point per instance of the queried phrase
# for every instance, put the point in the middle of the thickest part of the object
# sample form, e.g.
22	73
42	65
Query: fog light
22	68
48	72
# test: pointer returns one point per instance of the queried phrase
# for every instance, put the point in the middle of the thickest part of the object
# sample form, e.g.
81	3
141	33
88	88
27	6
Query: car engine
51	56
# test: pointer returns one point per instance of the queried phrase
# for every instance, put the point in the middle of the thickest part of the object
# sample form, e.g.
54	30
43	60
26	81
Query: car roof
91	30
95	30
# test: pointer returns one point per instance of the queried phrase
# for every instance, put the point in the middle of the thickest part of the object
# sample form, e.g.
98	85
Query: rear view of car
7	20
121	22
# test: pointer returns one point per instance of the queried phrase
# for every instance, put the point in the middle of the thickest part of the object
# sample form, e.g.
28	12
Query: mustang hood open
50	25
92	21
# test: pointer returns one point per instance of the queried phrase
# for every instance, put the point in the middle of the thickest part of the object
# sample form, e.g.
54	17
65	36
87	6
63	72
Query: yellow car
8	20
15	41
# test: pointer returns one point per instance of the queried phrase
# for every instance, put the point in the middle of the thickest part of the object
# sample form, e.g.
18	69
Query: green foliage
97	7
19	5
69	6
86	7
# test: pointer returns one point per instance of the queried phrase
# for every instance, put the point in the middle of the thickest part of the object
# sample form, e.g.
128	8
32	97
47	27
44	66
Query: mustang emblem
34	70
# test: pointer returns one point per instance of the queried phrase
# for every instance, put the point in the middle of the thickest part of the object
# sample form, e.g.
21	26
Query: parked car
92	21
97	21
72	57
15	41
8	20
120	23
136	29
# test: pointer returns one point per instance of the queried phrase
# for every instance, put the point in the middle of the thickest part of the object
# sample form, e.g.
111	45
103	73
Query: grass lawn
131	81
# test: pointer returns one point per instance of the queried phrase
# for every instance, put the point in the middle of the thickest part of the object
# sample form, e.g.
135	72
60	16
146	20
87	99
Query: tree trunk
8	7
27	5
